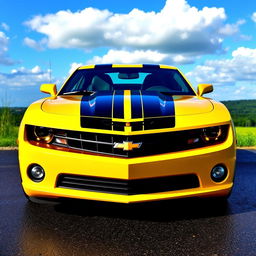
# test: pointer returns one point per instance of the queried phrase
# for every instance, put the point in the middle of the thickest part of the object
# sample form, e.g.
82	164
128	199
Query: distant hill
243	112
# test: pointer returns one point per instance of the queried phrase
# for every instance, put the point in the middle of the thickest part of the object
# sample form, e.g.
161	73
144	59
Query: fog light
218	173
36	173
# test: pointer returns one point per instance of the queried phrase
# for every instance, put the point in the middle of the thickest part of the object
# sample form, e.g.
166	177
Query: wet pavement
177	227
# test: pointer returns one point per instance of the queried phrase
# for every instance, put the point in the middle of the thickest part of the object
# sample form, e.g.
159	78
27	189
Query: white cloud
231	29
254	16
241	67
139	56
74	66
22	85
182	59
5	26
236	92
122	56
177	29
23	77
4	58
240	90
36	70
34	44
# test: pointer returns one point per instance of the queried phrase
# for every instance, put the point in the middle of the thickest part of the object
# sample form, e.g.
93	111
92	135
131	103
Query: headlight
207	136
43	134
211	134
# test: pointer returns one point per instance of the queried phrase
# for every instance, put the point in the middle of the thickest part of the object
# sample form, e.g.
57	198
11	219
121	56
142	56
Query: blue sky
210	41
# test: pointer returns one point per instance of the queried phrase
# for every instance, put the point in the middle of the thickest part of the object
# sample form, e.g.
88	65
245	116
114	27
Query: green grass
9	140
8	131
246	136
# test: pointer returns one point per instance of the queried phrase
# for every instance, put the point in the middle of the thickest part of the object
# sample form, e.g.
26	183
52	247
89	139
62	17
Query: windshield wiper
82	92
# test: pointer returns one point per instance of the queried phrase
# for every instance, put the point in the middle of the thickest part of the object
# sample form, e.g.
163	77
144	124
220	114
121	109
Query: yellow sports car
127	134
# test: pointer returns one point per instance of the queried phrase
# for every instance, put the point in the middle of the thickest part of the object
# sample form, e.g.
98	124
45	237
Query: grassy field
9	140
246	137
8	129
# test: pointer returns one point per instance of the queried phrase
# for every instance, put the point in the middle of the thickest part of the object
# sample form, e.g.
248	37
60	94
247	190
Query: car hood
127	105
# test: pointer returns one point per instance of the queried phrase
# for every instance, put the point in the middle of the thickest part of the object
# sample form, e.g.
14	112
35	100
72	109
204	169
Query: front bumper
197	161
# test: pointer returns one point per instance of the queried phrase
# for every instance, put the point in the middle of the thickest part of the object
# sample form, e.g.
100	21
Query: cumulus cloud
24	77
140	56
240	68
4	58
254	16
74	66
34	44
177	29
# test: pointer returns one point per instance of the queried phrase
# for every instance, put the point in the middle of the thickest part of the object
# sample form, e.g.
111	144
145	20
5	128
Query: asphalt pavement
177	227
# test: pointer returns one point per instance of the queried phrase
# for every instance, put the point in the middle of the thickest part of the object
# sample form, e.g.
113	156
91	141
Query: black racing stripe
103	66
98	104
151	66
157	104
136	104
118	108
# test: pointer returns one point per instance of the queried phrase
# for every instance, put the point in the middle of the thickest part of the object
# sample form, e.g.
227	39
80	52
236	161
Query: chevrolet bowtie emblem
127	145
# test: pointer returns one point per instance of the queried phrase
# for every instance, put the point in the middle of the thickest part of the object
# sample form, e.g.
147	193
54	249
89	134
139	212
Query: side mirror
49	88
204	88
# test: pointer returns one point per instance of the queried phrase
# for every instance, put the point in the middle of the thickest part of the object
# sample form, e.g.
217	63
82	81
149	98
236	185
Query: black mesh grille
142	145
128	187
150	144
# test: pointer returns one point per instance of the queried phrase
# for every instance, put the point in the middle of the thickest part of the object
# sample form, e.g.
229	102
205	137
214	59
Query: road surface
178	227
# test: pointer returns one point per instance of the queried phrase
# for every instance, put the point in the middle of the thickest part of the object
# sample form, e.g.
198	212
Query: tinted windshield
160	80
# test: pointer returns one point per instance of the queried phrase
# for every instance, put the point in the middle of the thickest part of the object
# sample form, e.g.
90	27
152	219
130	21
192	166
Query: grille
108	124
151	144
96	123
128	187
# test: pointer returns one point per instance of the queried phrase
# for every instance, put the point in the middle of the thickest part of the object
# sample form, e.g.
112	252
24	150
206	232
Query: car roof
108	66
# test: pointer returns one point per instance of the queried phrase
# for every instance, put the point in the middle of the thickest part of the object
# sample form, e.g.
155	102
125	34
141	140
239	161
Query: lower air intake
128	187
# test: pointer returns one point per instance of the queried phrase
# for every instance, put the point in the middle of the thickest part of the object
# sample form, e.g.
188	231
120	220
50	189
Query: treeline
243	112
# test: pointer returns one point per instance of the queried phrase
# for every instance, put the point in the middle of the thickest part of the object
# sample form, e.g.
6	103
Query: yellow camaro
126	133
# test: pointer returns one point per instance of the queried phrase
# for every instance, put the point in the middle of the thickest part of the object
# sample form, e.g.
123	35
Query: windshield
161	80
